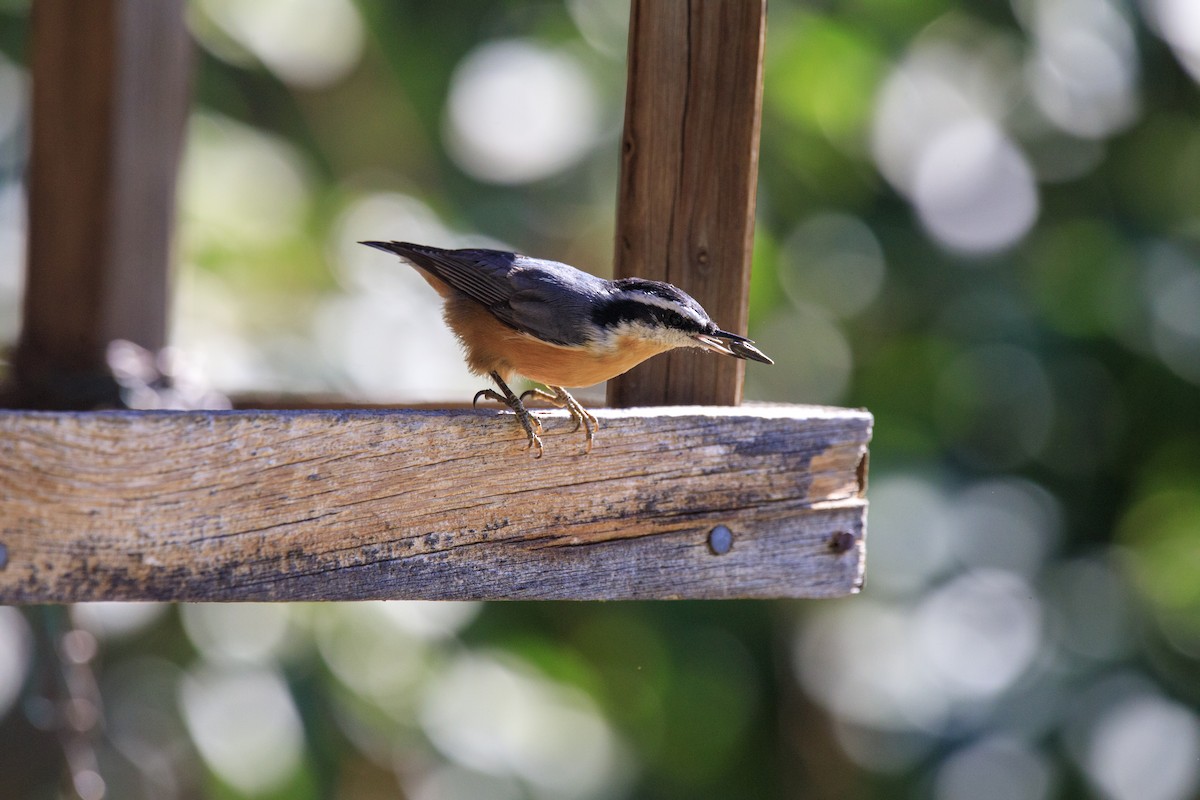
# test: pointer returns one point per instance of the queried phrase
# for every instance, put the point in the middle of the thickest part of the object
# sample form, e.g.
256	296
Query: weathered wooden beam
110	101
689	177
307	505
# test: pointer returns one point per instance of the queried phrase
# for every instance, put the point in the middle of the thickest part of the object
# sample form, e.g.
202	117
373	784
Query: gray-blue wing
482	275
545	299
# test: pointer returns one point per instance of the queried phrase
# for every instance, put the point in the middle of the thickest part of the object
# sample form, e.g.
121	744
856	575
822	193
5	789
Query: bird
558	325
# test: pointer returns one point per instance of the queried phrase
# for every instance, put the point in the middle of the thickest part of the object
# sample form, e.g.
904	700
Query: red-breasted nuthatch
558	325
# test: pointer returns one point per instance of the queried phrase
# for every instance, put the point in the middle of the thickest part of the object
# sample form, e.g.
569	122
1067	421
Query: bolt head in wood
720	540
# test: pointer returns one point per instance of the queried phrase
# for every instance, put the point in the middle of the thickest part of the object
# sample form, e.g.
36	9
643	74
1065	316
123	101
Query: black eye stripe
612	314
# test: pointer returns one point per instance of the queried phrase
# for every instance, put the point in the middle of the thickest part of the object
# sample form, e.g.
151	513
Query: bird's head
663	313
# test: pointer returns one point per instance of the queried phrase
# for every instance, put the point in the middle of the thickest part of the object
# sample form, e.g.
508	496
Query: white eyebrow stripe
661	302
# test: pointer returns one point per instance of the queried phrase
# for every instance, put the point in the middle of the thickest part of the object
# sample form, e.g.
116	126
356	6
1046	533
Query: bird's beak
731	344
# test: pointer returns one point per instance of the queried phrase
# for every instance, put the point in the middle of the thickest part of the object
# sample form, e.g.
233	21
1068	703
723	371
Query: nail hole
720	540
841	541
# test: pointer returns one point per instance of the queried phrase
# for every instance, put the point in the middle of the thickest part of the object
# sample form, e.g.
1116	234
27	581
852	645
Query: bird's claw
535	444
583	418
532	426
532	429
529	423
590	425
490	394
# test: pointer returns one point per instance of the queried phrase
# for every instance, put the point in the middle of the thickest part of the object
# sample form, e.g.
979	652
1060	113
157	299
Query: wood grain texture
689	174
110	101
306	505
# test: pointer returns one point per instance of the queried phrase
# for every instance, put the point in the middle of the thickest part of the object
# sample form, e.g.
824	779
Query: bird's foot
529	423
581	415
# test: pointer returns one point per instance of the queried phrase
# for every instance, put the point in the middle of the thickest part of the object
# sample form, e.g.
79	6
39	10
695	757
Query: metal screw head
720	540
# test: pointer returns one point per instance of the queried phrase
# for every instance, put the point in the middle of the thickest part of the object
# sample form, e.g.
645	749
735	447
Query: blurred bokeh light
518	112
244	722
306	43
16	648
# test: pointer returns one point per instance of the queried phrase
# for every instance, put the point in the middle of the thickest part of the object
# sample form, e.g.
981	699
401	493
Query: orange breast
492	346
568	366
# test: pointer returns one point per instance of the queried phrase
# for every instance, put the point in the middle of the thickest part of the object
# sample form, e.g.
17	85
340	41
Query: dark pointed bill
731	344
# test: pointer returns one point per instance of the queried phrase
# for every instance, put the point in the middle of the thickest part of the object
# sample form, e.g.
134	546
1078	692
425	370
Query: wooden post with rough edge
110	101
689	172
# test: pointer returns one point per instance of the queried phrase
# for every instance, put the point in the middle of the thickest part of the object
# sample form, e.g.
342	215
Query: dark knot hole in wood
841	542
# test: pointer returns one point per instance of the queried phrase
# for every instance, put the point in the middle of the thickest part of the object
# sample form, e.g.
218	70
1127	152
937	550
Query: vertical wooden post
689	172
110	99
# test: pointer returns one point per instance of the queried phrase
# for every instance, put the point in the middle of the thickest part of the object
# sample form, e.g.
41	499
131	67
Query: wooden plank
689	173
305	505
110	100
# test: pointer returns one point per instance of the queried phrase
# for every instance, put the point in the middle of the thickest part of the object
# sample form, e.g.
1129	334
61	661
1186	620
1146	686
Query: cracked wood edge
308	505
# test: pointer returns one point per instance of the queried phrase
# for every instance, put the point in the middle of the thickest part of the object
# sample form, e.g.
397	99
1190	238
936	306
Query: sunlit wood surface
291	505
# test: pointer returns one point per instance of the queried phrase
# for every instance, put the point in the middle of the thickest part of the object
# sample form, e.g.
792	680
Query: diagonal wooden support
325	505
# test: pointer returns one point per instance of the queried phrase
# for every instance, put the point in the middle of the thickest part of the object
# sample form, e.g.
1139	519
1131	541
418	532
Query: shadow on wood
307	505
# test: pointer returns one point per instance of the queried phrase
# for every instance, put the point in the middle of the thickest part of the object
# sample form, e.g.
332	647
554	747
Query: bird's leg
581	415
492	394
528	421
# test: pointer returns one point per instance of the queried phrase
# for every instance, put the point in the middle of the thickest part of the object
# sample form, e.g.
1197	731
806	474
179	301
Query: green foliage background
1032	611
